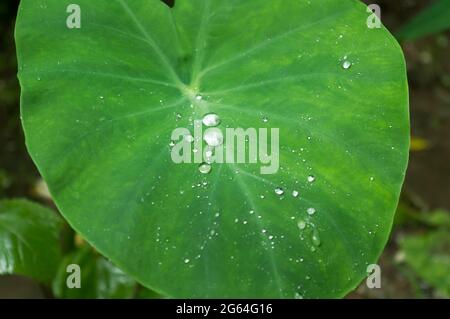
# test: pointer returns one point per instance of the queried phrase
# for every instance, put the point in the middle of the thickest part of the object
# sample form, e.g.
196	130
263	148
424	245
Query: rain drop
346	65
186	261
204	168
211	119
213	137
279	191
295	193
189	138
311	211
311	179
315	238
301	224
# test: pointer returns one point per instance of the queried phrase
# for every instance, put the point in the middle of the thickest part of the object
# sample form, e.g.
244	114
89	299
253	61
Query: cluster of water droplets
213	137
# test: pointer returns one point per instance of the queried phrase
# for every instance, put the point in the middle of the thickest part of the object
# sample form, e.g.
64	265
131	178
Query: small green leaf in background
29	240
429	256
433	19
99	277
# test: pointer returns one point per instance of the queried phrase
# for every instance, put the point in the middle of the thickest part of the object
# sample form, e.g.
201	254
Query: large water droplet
315	238
204	168
279	191
213	137
211	119
346	65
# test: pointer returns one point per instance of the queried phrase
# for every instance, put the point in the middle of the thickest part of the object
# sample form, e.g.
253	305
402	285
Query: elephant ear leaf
103	94
29	240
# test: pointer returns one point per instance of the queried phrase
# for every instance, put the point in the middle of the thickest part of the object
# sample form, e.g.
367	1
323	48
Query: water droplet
295	193
204	168
265	119
189	138
315	238
186	261
346	65
270	237
172	144
213	137
101	97
198	97
251	212
178	116
279	191
211	119
298	296
301	224
311	211
311	179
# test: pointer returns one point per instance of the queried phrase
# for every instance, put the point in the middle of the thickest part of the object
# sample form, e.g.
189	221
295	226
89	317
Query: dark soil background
427	184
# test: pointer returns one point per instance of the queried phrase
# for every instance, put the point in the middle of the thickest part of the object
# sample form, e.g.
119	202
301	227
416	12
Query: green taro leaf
99	277
29	240
99	105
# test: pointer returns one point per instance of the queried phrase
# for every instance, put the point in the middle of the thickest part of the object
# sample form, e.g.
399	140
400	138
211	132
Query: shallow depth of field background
414	264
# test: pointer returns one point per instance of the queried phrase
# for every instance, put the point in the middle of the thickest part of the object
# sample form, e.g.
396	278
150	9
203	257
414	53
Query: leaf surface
99	105
29	240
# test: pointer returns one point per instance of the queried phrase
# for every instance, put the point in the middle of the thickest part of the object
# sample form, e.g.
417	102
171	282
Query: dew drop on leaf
346	65
279	191
204	168
315	238
311	179
213	137
301	224
311	211
189	138
211	119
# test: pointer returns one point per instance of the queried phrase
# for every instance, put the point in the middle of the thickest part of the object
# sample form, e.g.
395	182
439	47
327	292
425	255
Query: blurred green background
416	261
